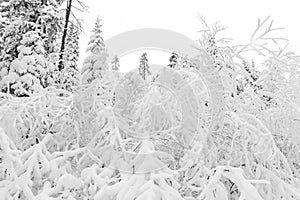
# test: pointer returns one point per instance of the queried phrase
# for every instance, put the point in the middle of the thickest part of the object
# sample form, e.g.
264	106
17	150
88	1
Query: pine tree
96	63
115	64
27	41
144	67
173	60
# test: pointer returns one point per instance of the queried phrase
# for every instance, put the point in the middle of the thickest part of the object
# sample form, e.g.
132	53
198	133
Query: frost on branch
121	137
73	146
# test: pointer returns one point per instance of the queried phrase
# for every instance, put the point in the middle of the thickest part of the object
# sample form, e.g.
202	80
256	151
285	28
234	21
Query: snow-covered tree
144	66
173	60
184	62
50	22
31	71
249	79
32	24
257	94
72	47
68	77
96	62
115	64
70	17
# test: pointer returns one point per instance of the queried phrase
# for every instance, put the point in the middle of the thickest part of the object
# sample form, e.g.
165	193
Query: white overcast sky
181	16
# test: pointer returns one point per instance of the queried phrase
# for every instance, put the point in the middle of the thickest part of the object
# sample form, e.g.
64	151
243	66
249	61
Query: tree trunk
64	36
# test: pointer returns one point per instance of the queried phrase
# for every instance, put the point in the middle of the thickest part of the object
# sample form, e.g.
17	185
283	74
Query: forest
224	125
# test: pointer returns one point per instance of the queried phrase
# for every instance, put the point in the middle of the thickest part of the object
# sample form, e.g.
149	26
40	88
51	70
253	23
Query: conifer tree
27	40
69	76
31	71
72	47
144	66
115	64
70	18
96	63
173	60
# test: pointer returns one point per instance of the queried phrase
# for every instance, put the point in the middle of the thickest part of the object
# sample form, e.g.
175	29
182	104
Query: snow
188	134
68	181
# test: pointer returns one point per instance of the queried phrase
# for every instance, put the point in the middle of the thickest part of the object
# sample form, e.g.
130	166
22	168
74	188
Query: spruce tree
115	64
173	60
144	66
96	63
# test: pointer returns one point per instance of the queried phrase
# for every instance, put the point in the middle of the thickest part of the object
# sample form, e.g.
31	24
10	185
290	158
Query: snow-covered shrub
179	136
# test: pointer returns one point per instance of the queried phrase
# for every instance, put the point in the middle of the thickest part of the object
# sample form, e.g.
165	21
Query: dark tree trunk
64	36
